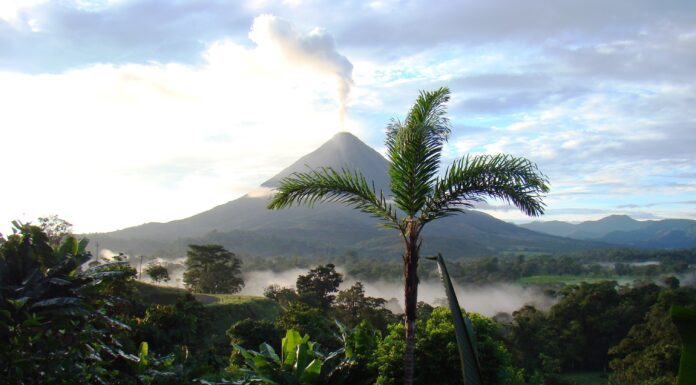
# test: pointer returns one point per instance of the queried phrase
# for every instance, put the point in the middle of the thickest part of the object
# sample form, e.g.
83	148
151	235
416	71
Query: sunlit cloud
148	137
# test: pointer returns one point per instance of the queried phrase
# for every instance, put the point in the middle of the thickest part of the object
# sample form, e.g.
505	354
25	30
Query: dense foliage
317	287
615	263
157	273
64	321
62	325
212	269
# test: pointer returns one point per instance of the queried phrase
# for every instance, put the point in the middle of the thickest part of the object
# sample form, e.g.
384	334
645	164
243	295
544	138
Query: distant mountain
625	231
245	226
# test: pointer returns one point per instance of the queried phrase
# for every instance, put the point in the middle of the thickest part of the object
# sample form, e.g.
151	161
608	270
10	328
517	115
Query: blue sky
119	112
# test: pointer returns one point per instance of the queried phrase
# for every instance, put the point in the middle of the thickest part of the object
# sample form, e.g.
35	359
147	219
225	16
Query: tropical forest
341	192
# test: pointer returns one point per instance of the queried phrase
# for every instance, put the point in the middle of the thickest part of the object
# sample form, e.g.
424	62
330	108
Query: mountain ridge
625	231
332	228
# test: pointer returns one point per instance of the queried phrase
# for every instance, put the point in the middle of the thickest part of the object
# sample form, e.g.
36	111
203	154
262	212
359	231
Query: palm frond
515	180
463	329
328	185
414	148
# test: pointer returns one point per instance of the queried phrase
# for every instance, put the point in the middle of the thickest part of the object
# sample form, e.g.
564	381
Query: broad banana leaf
466	339
684	317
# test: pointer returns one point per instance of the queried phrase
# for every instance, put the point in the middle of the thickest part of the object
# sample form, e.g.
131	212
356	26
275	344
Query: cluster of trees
208	269
623	331
66	318
62	324
316	300
636	255
494	269
317	309
506	269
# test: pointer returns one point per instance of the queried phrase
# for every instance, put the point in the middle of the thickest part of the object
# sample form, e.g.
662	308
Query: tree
650	353
418	192
317	286
55	228
282	295
212	269
353	307
308	320
157	273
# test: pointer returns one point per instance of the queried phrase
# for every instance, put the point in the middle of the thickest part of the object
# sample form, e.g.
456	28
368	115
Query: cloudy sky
119	112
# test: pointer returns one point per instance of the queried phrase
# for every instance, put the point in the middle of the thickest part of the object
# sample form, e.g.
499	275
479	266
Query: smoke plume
315	49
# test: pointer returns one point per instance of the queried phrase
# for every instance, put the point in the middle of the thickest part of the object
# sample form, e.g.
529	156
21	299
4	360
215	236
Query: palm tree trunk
410	297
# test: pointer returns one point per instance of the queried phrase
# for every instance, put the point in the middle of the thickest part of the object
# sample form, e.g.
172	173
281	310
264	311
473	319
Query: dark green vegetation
157	273
623	265
684	318
212	269
64	323
419	193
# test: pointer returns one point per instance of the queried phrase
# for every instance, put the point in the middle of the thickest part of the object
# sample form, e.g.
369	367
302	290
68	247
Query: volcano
245	226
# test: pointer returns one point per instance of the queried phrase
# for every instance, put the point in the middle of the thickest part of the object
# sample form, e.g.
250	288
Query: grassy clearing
223	309
569	279
586	378
233	308
162	295
233	299
236	307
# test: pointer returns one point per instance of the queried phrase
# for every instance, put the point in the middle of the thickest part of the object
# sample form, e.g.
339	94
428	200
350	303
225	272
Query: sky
114	113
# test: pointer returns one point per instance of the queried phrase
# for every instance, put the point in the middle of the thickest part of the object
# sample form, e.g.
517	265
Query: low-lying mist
486	299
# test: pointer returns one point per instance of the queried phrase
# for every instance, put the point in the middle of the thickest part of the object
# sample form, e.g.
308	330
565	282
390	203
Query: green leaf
57	302
144	354
684	318
266	350
311	372
59	281
289	347
82	245
466	339
328	185
18	303
517	181
303	358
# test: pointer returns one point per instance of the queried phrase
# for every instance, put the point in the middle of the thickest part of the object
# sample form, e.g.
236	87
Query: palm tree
419	194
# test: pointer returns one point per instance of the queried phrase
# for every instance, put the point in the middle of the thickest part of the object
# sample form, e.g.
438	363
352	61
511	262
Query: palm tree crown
414	149
419	194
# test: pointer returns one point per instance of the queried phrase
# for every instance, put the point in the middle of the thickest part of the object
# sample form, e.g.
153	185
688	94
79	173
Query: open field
570	279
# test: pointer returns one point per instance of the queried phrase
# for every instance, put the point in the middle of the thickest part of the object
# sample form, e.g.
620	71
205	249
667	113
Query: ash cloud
315	49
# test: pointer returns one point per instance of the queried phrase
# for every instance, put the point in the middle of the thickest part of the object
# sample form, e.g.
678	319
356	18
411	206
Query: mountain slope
245	225
625	231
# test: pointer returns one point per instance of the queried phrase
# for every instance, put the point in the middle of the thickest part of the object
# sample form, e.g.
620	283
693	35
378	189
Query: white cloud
120	145
11	10
315	50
